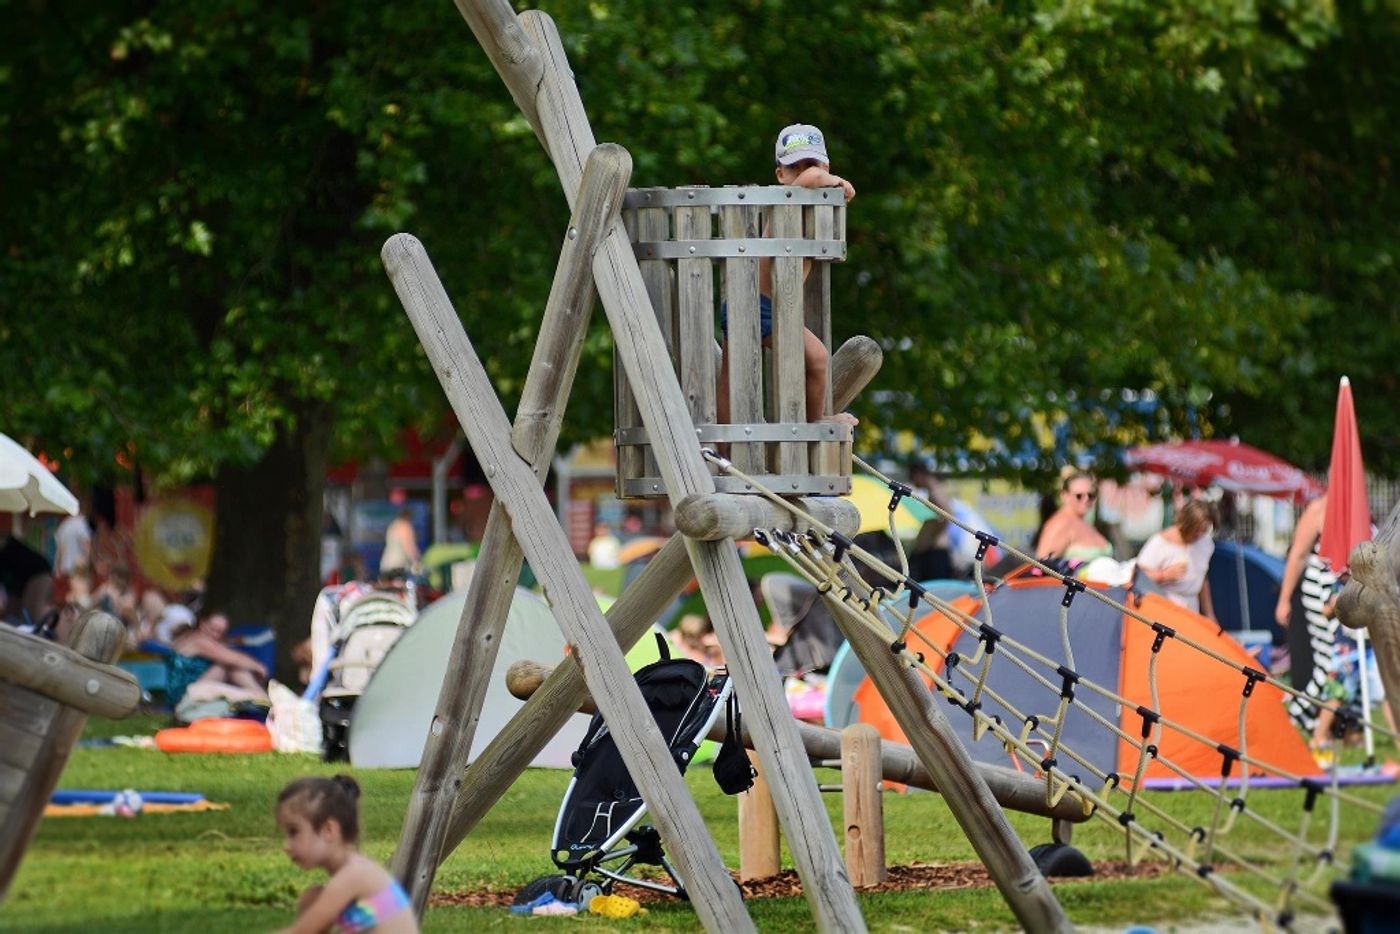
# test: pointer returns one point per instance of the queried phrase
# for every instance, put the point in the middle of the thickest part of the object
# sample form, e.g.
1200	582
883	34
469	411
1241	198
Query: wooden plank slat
533	437
695	318
97	638
655	224
57	671
820	221
629	457
743	347
639	740
789	377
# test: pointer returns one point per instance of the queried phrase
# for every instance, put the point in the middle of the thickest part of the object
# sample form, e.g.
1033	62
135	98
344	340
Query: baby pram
599	830
351	633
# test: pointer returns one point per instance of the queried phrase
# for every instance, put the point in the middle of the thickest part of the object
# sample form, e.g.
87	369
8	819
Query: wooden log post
982	820
639	740
534	435
760	843
646	360
862	804
1371	600
38	731
1017	791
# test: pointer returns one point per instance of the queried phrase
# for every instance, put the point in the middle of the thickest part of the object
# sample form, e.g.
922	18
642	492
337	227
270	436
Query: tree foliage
1060	201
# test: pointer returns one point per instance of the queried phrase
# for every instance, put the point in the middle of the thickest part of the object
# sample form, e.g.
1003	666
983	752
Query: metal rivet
787	194
690	249
690	195
573	233
741	196
789	249
823	249
794	484
794	429
748	430
491	470
655	487
742	248
92	686
437	727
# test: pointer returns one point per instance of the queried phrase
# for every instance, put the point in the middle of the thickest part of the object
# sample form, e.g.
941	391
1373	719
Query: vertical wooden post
862	804
789	388
759	843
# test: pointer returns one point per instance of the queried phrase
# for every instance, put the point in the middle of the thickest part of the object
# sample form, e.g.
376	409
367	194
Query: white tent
389	723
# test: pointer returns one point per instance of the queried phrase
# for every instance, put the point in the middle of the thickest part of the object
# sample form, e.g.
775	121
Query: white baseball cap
800	141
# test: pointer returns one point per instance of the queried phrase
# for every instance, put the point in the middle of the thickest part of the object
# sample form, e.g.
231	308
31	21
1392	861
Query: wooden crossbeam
954	772
535	433
639	740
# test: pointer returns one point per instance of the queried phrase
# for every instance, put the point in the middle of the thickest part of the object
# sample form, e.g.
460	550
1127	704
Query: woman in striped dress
1308	583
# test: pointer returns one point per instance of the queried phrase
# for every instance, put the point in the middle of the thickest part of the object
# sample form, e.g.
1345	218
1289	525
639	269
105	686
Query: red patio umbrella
1229	465
1347	521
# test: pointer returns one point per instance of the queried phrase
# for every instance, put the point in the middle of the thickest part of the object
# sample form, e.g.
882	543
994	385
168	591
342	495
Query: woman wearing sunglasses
1068	534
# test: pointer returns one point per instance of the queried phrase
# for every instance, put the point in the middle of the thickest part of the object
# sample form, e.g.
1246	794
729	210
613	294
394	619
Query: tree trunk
267	536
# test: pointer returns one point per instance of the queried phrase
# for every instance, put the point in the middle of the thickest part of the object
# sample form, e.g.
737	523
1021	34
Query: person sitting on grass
319	820
203	668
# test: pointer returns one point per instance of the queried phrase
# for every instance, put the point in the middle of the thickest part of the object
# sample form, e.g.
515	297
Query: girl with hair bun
319	820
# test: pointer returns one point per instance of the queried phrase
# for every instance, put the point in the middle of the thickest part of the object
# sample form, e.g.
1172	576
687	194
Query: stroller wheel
584	891
561	887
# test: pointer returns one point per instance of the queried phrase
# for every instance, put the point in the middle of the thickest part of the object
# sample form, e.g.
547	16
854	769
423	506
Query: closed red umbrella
1229	465
1347	521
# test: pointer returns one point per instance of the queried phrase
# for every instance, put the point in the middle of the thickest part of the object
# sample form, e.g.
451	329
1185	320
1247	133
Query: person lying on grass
319	819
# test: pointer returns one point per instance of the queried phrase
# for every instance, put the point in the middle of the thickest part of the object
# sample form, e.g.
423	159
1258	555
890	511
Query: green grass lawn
224	871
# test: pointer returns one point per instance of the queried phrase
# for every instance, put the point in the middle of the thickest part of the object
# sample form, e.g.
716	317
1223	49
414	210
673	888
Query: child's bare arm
817	177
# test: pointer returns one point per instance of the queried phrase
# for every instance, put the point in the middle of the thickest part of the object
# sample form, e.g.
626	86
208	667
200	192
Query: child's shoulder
364	875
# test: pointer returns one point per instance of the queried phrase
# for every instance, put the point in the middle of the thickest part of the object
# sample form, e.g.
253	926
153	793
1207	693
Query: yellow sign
174	540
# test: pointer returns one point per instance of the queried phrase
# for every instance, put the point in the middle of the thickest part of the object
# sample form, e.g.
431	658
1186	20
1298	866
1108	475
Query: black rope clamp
1113	779
952	660
1068	680
1229	757
916	592
1237	804
897	646
1150	718
1163	634
1151	750
1198	833
1204	870
919	657
900	490
1033	722
761	537
1048	763
1313	789
824	587
990	635
1126	818
1072	586
985	540
842	544
1252	676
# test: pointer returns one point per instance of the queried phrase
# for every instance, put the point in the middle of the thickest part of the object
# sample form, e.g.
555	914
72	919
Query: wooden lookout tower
665	263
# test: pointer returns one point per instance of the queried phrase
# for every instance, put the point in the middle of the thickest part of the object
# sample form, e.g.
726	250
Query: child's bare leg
817	365
1322	729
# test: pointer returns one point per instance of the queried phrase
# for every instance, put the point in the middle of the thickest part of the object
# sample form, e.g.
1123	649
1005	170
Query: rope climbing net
1035	739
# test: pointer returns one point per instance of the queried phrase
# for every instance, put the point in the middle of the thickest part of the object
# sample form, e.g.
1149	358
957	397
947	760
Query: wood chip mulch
786	884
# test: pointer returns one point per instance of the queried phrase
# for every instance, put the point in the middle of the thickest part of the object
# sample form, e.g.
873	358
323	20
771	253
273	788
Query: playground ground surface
221	871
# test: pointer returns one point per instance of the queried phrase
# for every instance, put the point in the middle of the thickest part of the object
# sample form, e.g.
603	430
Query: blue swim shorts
765	317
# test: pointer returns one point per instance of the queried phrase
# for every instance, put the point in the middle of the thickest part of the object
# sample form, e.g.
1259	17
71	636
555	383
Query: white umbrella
27	486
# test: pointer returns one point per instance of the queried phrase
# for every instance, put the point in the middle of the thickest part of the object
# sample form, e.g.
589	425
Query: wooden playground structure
47	692
650	256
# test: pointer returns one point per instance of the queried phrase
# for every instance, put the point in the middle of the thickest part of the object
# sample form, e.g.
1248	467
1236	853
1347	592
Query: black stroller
599	828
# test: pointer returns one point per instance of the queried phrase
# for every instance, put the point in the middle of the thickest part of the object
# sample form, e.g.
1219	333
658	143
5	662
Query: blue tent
1263	573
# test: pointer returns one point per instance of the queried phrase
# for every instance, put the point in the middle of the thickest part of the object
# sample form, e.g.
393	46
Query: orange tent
1112	649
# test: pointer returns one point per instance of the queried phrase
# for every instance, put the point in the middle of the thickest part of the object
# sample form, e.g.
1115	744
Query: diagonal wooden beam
536	431
639	740
953	771
542	716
